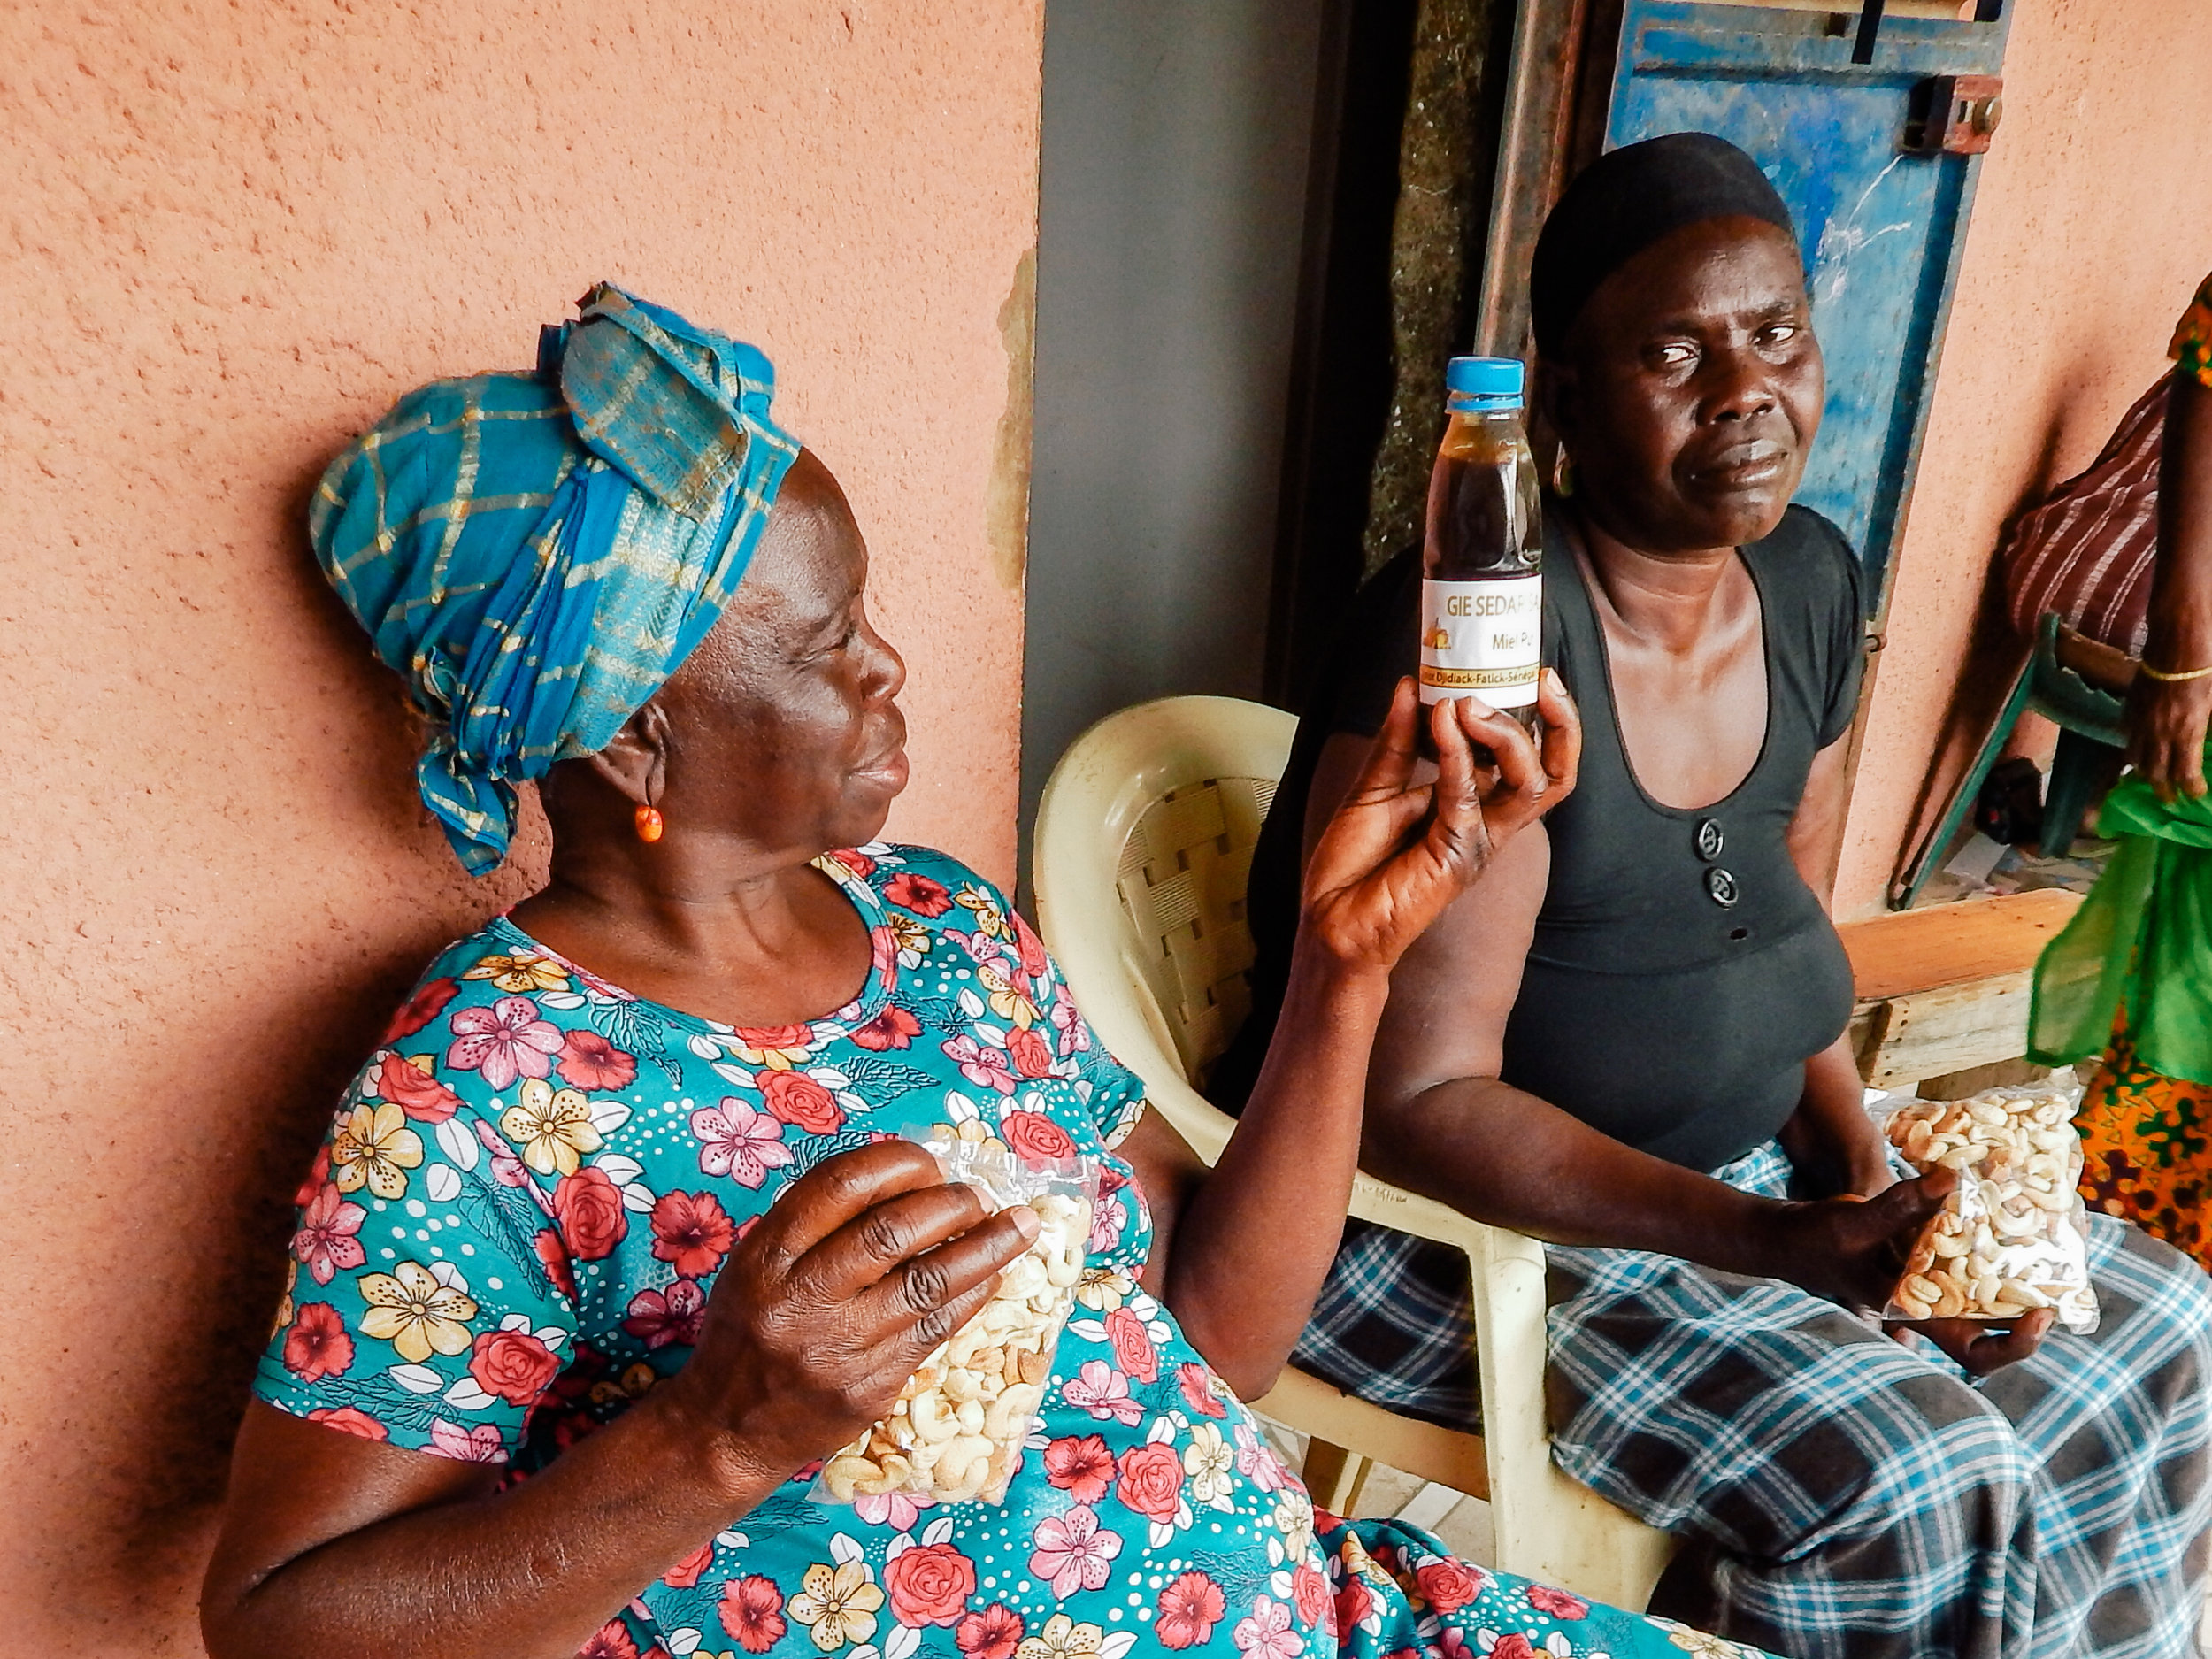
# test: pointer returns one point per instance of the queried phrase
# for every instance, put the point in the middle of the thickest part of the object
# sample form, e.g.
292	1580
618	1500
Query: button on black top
1709	840
1721	886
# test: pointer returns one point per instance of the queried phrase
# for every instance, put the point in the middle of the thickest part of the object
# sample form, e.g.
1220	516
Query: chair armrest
1207	1128
1306	1403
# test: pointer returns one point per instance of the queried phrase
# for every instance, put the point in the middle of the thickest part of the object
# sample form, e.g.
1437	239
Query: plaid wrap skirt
1838	1491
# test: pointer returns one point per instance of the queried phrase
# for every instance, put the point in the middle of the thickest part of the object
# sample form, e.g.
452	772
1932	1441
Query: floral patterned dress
514	1225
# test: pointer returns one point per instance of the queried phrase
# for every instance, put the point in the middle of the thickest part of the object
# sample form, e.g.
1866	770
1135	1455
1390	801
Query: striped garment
1837	1493
2085	552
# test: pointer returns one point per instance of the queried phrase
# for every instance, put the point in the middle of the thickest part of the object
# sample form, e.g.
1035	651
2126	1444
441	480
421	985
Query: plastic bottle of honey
1482	587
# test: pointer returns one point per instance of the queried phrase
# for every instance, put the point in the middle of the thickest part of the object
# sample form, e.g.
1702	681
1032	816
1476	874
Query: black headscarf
1628	199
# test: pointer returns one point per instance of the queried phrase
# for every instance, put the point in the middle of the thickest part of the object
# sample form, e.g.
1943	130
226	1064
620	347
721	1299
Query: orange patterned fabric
2192	338
2147	1146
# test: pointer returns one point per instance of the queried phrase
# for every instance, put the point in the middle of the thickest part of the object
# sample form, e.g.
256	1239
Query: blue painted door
1882	230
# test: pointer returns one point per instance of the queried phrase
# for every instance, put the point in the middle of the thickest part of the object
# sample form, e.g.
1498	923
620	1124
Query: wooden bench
1945	990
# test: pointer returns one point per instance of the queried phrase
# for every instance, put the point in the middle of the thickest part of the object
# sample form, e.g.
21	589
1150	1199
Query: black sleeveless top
1681	972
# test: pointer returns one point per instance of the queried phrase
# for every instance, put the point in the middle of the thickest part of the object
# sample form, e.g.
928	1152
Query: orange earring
651	824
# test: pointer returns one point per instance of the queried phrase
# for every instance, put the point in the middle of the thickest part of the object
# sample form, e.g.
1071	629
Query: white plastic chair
1144	837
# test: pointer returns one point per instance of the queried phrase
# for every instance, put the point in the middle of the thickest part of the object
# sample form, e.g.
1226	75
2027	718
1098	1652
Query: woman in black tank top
1682	972
1649	987
1604	1042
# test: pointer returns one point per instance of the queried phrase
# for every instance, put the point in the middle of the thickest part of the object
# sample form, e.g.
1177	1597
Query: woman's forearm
818	1314
1830	1139
2181	573
529	1572
1504	1156
1254	1240
2166	718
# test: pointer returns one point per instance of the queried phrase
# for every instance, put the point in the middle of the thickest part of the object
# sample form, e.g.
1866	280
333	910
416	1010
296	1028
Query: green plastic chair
2090	734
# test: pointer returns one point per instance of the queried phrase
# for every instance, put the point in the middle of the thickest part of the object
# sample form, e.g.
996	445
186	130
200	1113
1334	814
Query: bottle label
1483	639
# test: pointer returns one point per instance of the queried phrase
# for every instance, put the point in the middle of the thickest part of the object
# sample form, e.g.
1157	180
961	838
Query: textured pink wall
231	235
2092	225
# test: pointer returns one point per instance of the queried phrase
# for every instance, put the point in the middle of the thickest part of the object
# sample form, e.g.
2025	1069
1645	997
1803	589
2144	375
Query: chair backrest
1159	805
1144	835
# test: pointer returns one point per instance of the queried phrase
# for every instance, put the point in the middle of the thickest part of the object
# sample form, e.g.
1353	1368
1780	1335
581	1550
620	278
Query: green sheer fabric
2142	940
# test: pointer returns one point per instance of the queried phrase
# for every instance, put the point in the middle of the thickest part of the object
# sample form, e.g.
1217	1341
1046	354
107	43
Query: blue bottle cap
1484	382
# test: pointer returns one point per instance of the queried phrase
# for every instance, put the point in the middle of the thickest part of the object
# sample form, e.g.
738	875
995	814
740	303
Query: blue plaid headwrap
537	553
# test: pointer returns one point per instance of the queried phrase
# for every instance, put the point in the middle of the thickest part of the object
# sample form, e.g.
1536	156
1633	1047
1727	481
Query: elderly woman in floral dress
613	1238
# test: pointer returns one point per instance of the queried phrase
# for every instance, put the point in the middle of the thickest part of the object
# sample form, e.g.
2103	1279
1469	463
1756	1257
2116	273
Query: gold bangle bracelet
2166	678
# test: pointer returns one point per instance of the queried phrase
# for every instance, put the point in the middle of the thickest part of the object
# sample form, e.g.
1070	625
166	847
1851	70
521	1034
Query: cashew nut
956	1431
2010	1239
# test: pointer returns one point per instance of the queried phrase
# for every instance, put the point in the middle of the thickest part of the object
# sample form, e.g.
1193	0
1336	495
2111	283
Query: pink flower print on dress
1151	1482
1196	1383
1134	1350
994	1634
1032	1055
910	891
589	1061
657	1318
316	1345
409	1084
478	1445
981	948
1108	1216
1103	1391
883	953
893	1028
1080	1466
1309	1594
610	1642
588	1209
739	1141
1267	1633
1189	1608
1073	1037
800	1101
1356	1608
349	1420
684	1574
513	1364
1557	1603
929	1584
505	1042
1035	1136
326	1241
1448	1584
1074	1552
752	1611
778	1048
1256	1460
692	1232
506	1167
427	1002
980	1064
898	1510
1029	950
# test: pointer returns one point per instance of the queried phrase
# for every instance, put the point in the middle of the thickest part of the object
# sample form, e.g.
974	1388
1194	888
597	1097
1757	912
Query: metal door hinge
1953	115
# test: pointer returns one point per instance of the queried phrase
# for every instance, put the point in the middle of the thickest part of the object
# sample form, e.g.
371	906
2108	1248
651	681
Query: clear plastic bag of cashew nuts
2013	1235
957	1430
